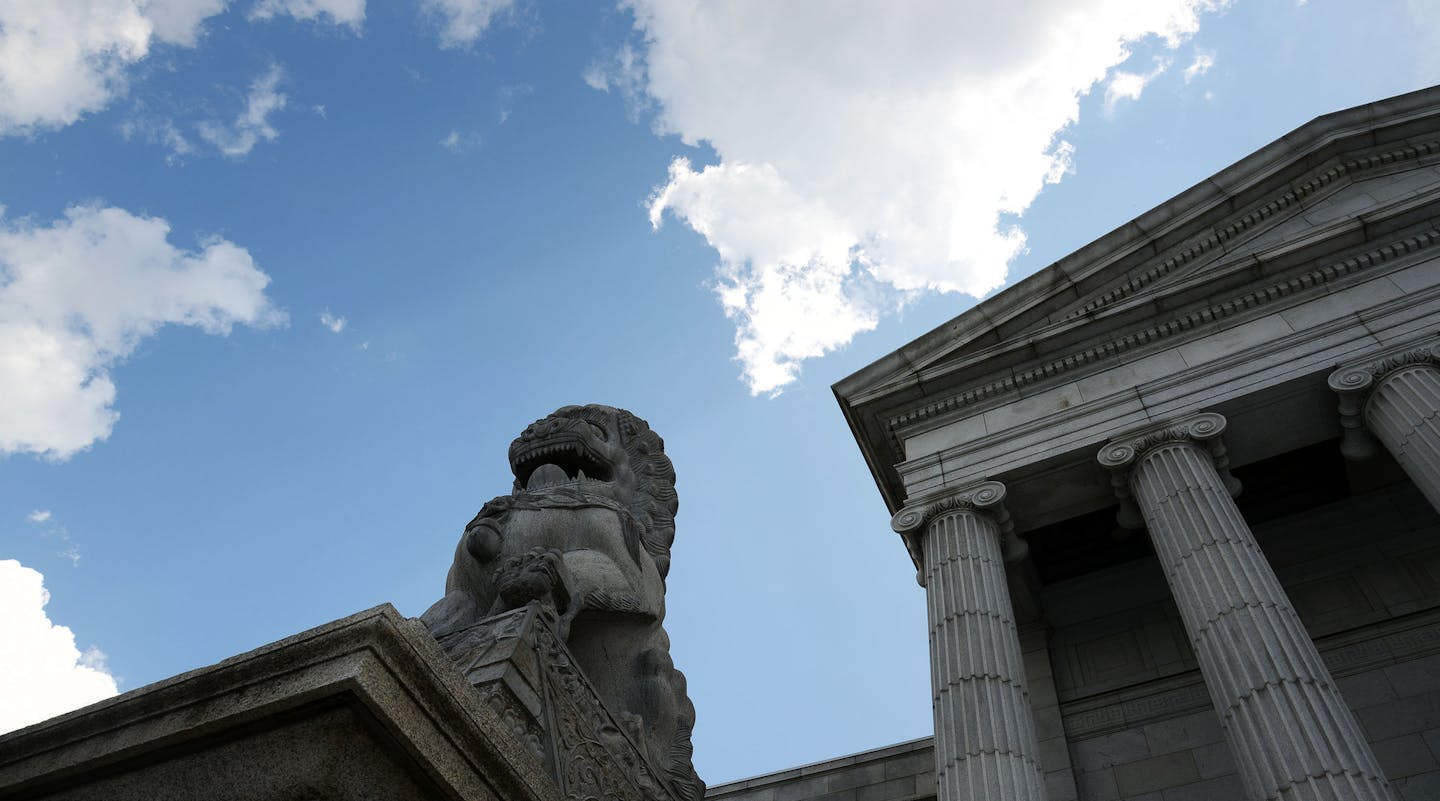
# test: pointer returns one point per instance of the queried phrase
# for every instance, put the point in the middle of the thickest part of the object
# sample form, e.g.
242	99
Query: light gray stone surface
1308	253
1241	295
985	743
1398	398
1289	729
365	707
586	531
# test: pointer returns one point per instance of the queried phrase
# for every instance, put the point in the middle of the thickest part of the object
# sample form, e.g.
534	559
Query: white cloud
1201	65
462	21
330	321
39	516
459	142
42	673
62	59
1125	85
350	13
80	293
72	552
623	72
160	131
868	151
251	125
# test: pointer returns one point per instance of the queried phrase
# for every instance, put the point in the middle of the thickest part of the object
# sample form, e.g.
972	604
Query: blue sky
193	206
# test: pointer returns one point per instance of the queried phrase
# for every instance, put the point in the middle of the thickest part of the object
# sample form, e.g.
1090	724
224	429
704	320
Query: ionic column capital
1203	429
1120	455
986	498
1356	382
1357	379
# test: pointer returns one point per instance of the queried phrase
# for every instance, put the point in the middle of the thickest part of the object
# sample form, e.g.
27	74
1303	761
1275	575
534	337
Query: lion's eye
599	432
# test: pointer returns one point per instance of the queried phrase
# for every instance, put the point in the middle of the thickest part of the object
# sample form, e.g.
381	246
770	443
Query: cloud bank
42	673
867	151
80	293
61	59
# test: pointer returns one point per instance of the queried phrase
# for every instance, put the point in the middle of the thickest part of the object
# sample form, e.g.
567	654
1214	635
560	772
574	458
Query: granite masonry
1173	499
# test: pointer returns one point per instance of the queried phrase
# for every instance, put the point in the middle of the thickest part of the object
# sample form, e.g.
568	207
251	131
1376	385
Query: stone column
1397	398
985	746
1290	731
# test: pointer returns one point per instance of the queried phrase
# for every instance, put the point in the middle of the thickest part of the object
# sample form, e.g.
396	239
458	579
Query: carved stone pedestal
529	679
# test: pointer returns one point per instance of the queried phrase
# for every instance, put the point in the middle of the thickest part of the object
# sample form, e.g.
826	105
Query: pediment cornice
1205	260
1167	328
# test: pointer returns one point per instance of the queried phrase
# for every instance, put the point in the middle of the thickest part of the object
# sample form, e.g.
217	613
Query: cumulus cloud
80	293
1201	65
252	125
462	21
330	321
350	13
622	72
1126	85
39	516
42	672
868	152
62	59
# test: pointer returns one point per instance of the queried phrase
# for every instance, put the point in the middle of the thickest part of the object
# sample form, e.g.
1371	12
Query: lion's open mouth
557	460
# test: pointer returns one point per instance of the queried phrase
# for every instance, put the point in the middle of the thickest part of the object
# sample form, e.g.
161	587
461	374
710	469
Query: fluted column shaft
1292	735
985	744
1398	399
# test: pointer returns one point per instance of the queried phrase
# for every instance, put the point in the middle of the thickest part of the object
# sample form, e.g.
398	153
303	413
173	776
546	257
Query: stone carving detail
585	533
1238	227
1203	429
521	667
1261	668
987	497
1395	397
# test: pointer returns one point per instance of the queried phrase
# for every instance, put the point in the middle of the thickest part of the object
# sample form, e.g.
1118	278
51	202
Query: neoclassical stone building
1172	499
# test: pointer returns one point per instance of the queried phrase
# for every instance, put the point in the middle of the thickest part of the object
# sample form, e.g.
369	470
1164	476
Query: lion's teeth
546	475
580	474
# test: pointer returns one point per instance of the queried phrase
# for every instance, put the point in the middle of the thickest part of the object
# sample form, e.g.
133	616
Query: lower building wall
1122	712
903	772
1363	573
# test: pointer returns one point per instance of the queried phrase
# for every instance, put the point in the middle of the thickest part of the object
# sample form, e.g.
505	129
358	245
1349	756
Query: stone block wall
903	772
1121	711
1363	573
1399	708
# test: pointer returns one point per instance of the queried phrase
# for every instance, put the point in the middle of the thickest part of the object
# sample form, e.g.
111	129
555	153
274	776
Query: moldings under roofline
1164	330
1364	138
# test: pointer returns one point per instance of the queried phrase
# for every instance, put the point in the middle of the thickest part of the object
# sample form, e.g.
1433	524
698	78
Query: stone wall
1364	574
1121	711
903	772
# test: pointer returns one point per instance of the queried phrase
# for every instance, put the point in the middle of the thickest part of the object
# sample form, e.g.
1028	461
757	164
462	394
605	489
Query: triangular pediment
1266	230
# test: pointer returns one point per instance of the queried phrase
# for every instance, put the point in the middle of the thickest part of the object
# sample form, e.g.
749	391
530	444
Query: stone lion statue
587	529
